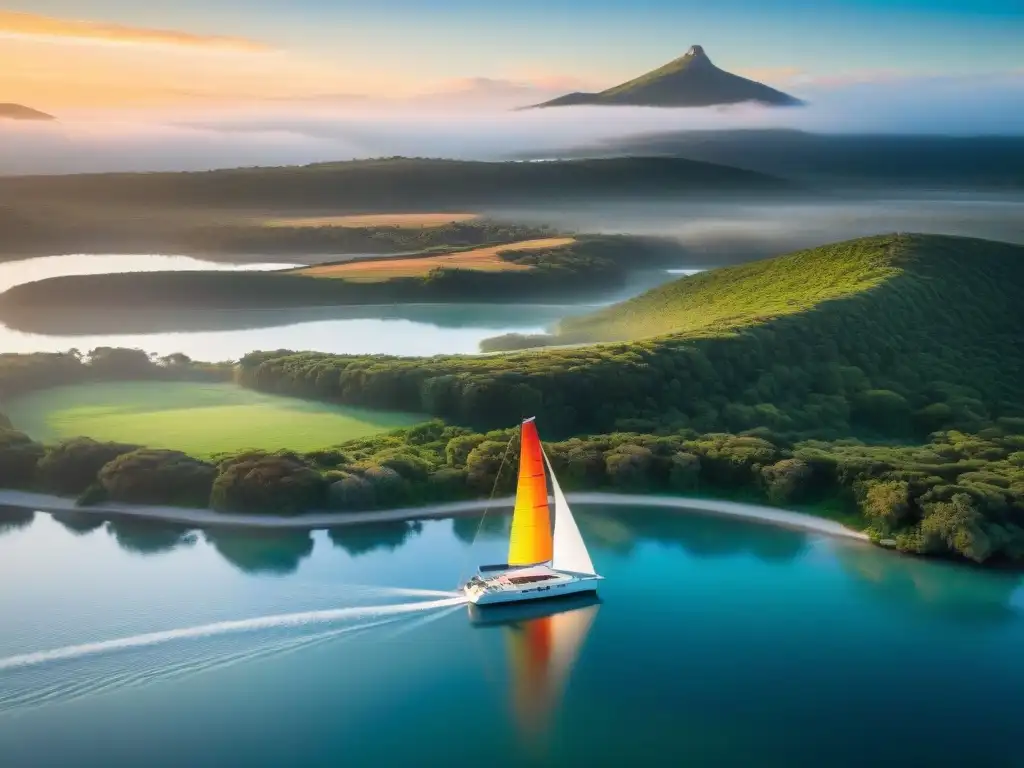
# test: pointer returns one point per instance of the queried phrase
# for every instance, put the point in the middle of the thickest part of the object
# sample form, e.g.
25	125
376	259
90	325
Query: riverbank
208	517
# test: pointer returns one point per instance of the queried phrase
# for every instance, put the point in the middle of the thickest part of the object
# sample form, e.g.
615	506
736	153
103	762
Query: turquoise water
716	642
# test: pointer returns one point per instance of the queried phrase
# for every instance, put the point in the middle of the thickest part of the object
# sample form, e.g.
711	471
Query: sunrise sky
57	54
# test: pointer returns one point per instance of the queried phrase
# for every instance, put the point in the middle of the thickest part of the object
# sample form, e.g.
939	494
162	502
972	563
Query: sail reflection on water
543	641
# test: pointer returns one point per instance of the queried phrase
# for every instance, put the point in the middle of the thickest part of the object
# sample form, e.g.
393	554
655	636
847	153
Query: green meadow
200	419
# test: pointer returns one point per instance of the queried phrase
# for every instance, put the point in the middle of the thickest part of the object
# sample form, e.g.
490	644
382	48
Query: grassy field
200	419
480	259
722	300
404	220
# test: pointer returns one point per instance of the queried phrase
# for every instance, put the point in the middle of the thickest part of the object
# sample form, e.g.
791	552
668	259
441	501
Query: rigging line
487	508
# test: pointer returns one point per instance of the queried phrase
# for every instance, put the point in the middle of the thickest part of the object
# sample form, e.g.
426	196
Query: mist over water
729	232
281	134
712	233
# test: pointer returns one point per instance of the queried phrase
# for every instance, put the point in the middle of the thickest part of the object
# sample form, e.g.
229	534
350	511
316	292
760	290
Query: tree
267	484
786	480
390	489
484	463
120	363
71	466
19	456
458	449
352	493
149	476
684	474
628	466
883	409
886	504
955	527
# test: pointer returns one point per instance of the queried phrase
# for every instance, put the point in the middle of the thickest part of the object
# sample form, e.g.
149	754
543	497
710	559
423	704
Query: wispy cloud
34	26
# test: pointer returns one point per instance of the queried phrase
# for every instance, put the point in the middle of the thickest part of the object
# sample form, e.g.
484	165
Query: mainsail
530	540
569	551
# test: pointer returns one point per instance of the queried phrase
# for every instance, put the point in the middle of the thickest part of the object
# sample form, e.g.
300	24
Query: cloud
34	26
461	93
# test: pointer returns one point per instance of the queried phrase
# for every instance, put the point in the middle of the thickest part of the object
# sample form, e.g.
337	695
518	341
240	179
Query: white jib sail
569	551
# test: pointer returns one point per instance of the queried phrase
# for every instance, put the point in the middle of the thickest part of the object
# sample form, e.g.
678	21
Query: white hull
496	591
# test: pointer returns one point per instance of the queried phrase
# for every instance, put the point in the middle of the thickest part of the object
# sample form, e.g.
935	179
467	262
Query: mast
530	541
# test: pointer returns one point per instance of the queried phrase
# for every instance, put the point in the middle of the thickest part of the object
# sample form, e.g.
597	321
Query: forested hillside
887	337
398	183
880	380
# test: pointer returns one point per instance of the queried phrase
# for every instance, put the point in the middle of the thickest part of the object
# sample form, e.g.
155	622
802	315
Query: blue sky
595	40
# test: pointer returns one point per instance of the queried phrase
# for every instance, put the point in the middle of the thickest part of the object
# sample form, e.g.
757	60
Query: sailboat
541	563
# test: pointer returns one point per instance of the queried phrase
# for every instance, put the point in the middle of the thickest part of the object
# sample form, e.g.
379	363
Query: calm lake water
230	334
716	642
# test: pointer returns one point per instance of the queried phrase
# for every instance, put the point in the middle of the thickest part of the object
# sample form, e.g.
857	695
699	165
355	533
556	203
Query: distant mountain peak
689	81
21	112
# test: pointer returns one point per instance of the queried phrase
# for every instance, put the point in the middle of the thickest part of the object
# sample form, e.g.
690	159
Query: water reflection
145	537
14	518
543	641
337	336
490	317
360	539
621	529
261	552
493	525
947	590
79	523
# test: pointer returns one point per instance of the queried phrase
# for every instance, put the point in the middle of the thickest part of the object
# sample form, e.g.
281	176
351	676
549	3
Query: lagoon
217	335
716	642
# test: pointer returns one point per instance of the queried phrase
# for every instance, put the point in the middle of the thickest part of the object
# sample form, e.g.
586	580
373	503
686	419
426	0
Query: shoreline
316	520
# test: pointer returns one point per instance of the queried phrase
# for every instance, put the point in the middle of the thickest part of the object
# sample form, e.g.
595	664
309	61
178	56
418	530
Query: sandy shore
207	517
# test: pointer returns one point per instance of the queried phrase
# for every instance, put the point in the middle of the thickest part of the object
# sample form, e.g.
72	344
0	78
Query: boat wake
42	677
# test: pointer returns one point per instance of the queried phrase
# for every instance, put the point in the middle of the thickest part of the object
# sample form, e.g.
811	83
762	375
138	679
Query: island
564	268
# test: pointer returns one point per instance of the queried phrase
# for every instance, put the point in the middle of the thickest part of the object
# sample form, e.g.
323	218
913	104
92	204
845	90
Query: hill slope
395	184
724	300
689	81
21	112
892	336
960	162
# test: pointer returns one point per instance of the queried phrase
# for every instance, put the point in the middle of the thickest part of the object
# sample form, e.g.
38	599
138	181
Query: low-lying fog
730	232
276	134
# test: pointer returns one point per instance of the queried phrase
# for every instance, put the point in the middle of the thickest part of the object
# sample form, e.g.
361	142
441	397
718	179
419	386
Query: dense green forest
959	494
880	379
21	374
591	265
927	338
391	184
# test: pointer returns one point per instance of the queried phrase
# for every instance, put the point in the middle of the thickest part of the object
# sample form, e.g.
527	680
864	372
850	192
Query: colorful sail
530	541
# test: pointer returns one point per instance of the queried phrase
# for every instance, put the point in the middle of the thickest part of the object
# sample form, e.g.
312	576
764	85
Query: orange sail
530	541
